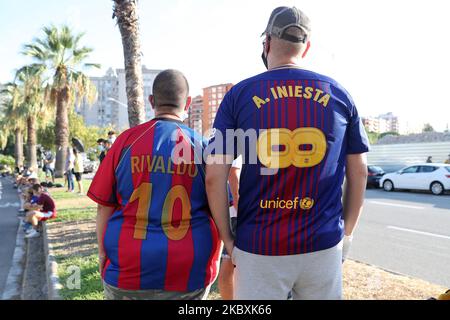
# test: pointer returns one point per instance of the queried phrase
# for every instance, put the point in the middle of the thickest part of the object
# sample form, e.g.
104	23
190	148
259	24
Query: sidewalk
10	265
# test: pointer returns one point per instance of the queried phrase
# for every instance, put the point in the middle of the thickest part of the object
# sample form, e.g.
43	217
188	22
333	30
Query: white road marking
420	232
395	205
8	204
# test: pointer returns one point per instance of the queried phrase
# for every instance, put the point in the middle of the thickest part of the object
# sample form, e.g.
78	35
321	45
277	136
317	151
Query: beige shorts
310	276
113	293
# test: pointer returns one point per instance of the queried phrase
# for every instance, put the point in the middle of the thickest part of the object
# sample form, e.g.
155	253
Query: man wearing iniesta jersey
157	239
294	227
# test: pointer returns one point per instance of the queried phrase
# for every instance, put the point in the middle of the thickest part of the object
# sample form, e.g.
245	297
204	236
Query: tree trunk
126	12
18	148
61	131
31	143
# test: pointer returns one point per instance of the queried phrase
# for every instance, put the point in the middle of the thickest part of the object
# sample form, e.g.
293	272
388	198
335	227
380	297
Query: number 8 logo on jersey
282	148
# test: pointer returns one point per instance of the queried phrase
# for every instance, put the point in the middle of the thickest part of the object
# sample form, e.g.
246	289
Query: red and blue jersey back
305	125
161	235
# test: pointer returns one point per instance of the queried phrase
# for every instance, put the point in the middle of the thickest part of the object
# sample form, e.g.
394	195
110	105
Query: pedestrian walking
78	169
70	163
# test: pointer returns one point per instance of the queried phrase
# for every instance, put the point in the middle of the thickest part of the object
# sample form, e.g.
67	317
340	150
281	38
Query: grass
74	207
90	286
71	206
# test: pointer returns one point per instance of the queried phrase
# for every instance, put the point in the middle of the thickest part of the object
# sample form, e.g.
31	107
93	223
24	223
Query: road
9	204
406	232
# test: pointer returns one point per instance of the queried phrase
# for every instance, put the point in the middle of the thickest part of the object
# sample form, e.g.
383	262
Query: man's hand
101	262
347	242
103	215
229	246
217	171
355	187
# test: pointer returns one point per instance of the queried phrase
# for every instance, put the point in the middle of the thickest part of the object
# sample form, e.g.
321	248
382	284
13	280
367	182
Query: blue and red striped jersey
161	235
305	125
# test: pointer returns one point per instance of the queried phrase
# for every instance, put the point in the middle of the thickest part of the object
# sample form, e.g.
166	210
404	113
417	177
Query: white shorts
310	276
45	215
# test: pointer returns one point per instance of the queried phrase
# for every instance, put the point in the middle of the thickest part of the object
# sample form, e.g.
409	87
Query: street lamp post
120	104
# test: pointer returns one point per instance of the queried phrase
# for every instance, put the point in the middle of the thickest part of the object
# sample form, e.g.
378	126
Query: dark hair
111	133
101	140
36	187
170	89
75	151
33	180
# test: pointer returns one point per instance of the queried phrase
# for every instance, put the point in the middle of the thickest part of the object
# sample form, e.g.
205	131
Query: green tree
373	137
59	51
390	133
46	136
87	134
12	121
31	105
78	129
126	12
427	128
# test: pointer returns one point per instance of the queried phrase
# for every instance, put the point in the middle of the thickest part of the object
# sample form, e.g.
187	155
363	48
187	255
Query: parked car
374	175
430	176
89	166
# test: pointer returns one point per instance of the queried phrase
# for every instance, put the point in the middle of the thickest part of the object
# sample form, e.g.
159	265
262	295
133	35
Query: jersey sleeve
237	163
103	189
225	120
357	140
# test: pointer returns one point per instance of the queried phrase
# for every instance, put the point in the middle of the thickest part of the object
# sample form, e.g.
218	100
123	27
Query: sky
391	55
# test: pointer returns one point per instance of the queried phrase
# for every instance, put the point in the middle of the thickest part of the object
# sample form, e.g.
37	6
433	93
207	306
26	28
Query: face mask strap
264	57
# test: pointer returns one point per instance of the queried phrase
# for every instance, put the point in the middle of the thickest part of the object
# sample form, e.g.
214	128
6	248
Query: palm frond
92	65
59	53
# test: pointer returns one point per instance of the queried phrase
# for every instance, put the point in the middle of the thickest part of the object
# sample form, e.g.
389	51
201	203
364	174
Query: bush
7	161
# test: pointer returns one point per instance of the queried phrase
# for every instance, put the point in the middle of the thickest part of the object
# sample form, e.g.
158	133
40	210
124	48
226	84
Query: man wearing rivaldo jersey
308	136
157	237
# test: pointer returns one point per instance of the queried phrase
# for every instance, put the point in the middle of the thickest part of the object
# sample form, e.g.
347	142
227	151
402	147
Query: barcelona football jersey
296	128
161	234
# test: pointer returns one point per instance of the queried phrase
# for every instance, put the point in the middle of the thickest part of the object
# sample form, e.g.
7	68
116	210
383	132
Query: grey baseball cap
283	18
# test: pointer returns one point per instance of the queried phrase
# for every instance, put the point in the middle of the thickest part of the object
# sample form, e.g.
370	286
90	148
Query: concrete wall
395	156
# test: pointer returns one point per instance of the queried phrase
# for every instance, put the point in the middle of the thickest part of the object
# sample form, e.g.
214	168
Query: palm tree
59	51
126	12
12	121
32	107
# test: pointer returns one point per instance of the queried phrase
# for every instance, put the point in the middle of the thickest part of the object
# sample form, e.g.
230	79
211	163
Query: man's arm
217	172
233	179
103	215
32	207
355	187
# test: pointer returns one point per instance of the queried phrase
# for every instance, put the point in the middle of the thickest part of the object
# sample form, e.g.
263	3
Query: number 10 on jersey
143	194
